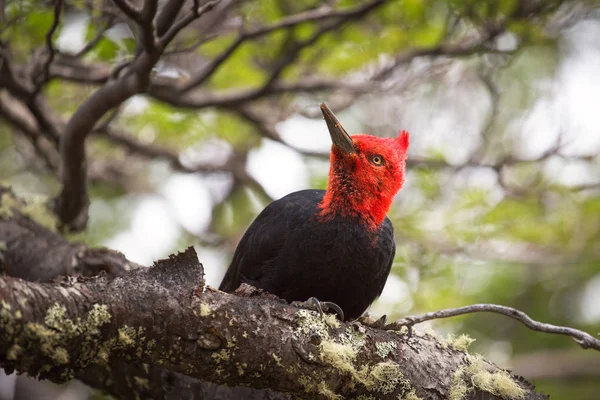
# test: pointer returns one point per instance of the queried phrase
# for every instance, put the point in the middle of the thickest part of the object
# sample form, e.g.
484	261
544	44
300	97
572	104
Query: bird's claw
326	306
321	307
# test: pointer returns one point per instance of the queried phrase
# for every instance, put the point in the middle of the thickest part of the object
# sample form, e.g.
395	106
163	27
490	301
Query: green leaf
106	50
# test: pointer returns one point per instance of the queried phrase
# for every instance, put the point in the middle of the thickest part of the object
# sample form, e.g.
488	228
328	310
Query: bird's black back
288	252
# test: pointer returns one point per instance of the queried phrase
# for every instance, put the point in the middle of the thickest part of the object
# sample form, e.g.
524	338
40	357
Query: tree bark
155	332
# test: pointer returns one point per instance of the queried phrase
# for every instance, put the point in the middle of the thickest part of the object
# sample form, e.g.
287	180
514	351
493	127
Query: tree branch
196	12
167	16
131	11
155	152
36	253
322	13
55	331
41	80
147	25
72	203
109	20
585	340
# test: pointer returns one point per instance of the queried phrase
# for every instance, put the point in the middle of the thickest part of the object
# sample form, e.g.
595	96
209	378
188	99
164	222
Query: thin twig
147	25
154	152
128	9
92	43
49	48
196	13
585	340
289	22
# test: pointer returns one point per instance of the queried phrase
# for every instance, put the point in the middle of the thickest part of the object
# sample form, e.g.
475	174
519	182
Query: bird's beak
339	136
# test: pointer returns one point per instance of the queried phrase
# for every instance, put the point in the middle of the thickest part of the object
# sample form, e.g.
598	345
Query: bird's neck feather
347	197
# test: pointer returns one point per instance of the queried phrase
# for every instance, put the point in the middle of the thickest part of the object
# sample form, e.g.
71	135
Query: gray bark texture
159	332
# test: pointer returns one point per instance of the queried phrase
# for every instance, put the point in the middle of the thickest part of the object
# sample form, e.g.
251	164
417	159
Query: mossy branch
166	316
153	332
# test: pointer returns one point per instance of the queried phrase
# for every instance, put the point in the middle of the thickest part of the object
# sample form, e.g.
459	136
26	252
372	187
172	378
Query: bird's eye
377	159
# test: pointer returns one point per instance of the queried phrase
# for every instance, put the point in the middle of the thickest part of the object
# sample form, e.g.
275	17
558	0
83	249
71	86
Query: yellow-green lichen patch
8	203
383	377
340	350
97	317
240	368
55	319
310	323
103	355
498	383
57	330
6	317
402	331
204	310
47	338
459	388
461	342
35	208
332	320
353	338
338	355
307	383
13	352
326	392
222	355
385	348
127	336
386	377
277	359
60	355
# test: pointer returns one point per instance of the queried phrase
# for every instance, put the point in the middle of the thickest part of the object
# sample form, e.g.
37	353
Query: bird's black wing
253	261
387	239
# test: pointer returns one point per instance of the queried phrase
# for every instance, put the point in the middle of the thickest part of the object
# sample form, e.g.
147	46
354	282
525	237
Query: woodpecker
335	245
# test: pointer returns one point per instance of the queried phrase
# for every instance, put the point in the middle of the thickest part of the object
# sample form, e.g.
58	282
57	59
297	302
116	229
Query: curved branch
584	339
71	204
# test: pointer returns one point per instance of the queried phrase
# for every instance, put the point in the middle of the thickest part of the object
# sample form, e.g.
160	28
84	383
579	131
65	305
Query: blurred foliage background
502	200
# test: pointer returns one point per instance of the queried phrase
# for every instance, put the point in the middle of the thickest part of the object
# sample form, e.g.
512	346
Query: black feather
290	253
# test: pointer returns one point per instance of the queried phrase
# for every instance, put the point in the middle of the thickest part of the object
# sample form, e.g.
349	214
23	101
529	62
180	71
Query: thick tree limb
166	316
36	253
33	252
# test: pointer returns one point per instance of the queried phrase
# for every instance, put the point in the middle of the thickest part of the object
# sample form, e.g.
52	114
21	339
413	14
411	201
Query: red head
365	174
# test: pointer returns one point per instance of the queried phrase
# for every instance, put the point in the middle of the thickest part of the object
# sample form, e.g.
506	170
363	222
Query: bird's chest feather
336	259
